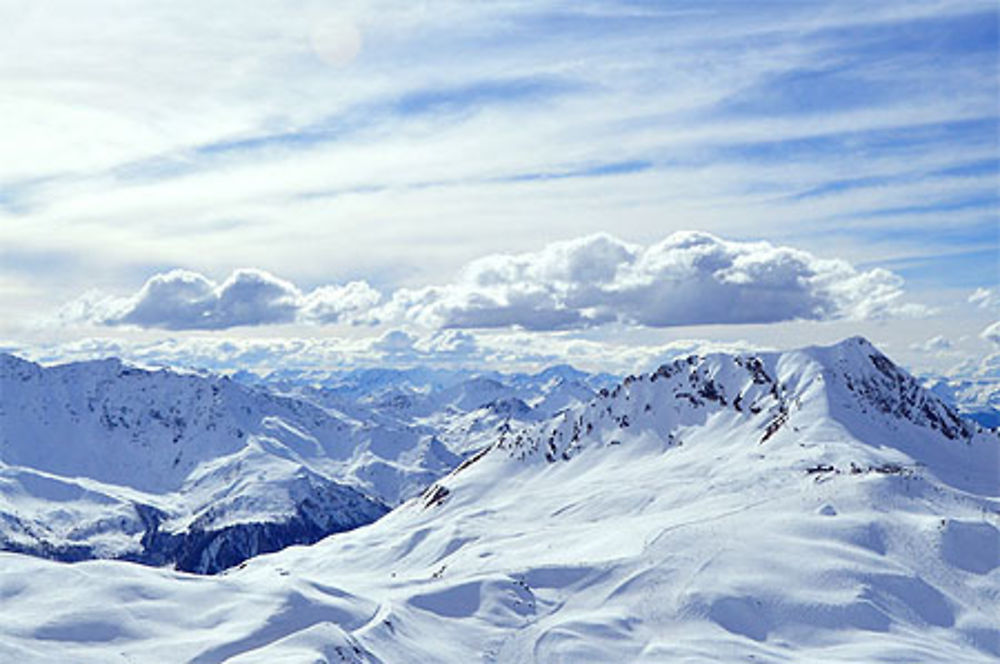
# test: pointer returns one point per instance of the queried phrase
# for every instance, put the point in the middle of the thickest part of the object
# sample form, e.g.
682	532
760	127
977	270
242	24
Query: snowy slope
814	505
100	459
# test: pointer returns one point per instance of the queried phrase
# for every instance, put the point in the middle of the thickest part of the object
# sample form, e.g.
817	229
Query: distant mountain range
105	460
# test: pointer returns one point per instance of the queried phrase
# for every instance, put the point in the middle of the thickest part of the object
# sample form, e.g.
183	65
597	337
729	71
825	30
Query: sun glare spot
336	40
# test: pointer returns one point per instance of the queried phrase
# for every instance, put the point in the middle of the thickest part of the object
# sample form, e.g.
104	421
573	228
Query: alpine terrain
810	505
105	460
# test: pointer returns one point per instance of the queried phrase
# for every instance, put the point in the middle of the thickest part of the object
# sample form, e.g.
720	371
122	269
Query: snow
104	459
812	505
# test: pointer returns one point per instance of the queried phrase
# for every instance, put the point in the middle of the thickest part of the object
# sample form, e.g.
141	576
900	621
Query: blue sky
397	144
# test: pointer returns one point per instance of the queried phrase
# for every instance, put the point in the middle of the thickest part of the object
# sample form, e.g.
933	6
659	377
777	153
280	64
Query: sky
503	184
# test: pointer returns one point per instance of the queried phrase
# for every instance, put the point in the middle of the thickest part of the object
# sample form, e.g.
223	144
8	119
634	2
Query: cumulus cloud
336	304
690	278
188	300
184	300
395	342
441	346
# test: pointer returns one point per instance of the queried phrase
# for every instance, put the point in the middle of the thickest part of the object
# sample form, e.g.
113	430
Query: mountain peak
849	392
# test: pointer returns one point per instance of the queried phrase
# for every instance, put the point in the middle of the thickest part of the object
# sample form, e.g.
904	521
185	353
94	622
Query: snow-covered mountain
462	409
103	459
100	459
812	505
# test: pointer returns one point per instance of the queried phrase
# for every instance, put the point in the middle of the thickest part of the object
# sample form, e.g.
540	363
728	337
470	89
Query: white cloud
394	342
506	351
185	300
985	298
992	334
936	344
690	278
436	348
279	127
335	304
360	124
188	300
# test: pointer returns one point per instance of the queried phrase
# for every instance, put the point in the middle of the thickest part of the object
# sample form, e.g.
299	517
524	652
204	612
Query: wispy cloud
986	298
992	333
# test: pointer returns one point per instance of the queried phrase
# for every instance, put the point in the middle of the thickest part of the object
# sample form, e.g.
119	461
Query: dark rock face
212	551
701	385
151	431
206	550
892	391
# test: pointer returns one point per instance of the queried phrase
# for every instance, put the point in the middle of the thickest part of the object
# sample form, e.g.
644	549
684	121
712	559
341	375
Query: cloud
280	126
985	298
582	119
936	344
502	351
337	304
185	300
395	342
439	347
690	278
992	334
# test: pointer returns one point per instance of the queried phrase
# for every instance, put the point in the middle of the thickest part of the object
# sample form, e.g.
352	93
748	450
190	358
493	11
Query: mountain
106	460
462	409
101	459
811	505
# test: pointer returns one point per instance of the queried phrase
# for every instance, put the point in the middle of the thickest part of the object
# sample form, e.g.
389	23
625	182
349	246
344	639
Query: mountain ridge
102	458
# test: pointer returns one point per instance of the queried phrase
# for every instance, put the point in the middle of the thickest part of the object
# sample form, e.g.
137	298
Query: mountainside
99	459
813	505
103	459
461	407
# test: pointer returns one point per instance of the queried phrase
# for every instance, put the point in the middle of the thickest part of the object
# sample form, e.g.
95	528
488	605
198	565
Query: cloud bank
689	278
185	300
454	349
871	132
